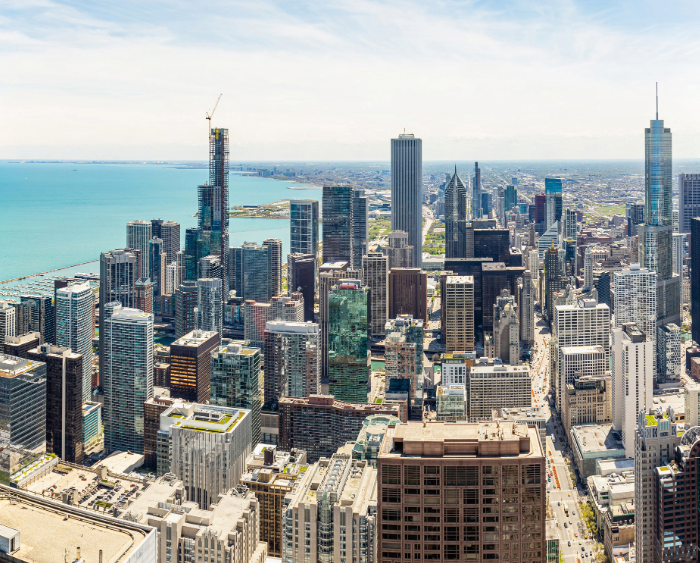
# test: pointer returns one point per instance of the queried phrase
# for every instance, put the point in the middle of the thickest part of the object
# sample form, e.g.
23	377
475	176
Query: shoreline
47	272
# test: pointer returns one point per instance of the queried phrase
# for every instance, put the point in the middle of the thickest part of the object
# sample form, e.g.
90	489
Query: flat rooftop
609	466
194	338
11	366
571	350
596	438
122	463
46	535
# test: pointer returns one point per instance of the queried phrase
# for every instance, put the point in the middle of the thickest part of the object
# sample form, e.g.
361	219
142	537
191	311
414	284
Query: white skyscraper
678	246
209	305
75	308
7	320
127	376
527	309
138	235
633	380
407	191
588	269
668	353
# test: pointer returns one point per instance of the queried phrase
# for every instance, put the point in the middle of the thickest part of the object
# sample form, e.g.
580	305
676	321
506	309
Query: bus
566	509
554	439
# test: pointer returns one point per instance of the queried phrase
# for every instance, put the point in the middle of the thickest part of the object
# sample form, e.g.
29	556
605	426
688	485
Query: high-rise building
338	224
190	365
406	192
587	400
64	400
301	277
292	360
510	197
678	253
319	424
143	295
360	226
257	270
157	264
655	235
404	352
506	329
235	380
349	318
656	440
398	251
668	353
635	216
588	269
209	305
527	309
8	320
477	204
138	236
688	200
274	246
185	302
126	376
540	211
42	316
552	279
257	315
303	226
170	234
458	331
570	224
376	277
75	305
497	386
455	218
152	409
469	466
20	345
408	293
695	276
553	201
156	225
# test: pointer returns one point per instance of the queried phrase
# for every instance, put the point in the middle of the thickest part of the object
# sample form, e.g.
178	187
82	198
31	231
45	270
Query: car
569	543
566	525
576	535
583	549
558	503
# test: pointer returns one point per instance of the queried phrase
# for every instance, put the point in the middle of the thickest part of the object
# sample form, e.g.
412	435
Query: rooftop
194	338
122	463
12	366
202	418
591	439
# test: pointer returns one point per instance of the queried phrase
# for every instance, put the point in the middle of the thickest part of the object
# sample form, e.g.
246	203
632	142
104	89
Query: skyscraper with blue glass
552	201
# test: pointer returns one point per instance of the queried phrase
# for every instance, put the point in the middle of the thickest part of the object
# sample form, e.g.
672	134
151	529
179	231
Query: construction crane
209	116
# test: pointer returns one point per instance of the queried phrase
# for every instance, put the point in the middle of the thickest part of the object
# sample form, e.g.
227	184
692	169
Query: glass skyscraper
455	218
552	201
338	232
303	226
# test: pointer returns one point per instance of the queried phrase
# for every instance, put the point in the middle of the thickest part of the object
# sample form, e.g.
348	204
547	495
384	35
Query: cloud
335	80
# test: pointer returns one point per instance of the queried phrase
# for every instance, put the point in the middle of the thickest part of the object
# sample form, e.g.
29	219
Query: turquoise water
57	215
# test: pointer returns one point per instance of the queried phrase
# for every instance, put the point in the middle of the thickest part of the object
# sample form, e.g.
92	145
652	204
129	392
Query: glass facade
657	174
338	233
303	226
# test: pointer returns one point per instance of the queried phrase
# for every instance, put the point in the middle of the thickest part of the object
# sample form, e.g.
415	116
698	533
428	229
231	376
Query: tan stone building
587	400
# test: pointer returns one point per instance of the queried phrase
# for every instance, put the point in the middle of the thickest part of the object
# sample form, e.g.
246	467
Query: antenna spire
657	101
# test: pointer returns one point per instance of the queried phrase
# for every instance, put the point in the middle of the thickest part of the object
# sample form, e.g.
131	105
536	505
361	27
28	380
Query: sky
336	79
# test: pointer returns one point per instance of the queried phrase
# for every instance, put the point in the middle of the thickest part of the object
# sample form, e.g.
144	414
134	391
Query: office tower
497	386
510	197
655	235
455	218
376	277
23	318
404	352
75	327
42	316
257	315
275	267
656	440
470	467
678	254
301	277
540	211
218	179
668	353
303	226
152	409
209	447
210	267
332	529
688	200
8	320
190	365
398	251
126	375
119	271
635	216
319	424
360	226
180	268
408	293
406	192
492	243
338	224
138	236
157	264
691	393
506	329
20	345
170	235
349	318
143	295
458	330
185	302
581	323
170	279
551	279
574	362
695	275
292	360
451	403
588	269
209	305
156	225
235	380
477	205
270	475
257	273
197	246
553	201
570	228
486	204
527	309
587	400
64	400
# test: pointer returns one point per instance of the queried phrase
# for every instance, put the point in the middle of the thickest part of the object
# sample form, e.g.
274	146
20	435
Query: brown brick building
408	293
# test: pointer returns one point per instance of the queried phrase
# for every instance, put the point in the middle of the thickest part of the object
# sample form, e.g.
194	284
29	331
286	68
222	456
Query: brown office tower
143	291
190	365
20	345
152	409
319	424
64	400
408	293
461	492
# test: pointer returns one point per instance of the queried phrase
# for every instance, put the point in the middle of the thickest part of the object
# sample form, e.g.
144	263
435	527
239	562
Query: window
451	496
390	515
532	474
471	496
391	475
411	475
391	495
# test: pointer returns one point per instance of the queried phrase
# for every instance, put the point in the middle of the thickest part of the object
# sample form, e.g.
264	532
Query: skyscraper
349	319
477	203
185	302
695	276
143	295
398	251
408	293
338	225
360	226
655	244
274	246
303	226
678	253
138	235
458	332
455	218
407	192
404	351
688	200
510	197
551	279
42	316
588	269
157	259
553	201
126	375
570	227
209	305
301	277
527	309
170	234
218	178
506	329
257	270
74	327
635	216
190	365
376	274
8	320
